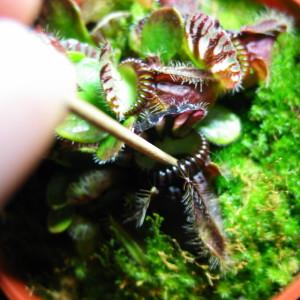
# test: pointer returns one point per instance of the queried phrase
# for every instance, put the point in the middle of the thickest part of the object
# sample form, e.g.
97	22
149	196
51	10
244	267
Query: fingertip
24	11
33	70
36	83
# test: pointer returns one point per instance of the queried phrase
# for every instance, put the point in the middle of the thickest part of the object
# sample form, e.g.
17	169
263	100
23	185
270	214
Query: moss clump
123	269
158	270
276	111
260	193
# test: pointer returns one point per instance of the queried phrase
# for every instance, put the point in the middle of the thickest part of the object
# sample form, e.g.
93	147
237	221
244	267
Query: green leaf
56	191
95	10
133	249
60	220
113	28
78	130
87	71
162	34
221	126
84	234
178	147
88	75
138	11
90	186
63	16
111	146
88	81
75	56
127	87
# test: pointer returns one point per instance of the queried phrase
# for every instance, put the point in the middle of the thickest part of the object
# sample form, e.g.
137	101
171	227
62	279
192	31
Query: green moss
260	193
276	108
157	270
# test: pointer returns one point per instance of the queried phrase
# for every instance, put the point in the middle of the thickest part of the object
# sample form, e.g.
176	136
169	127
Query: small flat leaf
221	126
113	28
78	130
142	200
87	71
60	220
90	186
56	191
84	233
132	247
71	146
127	87
111	146
75	56
95	10
162	33
178	147
139	10
63	16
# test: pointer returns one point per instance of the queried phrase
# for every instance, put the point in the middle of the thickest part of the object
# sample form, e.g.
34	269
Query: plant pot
15	289
291	292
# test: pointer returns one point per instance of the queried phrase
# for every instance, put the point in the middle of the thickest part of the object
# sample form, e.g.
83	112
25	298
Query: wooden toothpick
105	122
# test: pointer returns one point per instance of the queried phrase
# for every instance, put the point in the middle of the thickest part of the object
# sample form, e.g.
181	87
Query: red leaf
258	40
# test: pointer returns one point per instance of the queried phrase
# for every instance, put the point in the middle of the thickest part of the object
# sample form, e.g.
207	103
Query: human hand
35	84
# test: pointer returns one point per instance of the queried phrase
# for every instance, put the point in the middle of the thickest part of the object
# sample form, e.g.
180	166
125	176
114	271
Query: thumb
35	82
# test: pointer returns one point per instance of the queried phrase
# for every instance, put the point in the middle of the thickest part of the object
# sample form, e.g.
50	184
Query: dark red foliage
258	41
